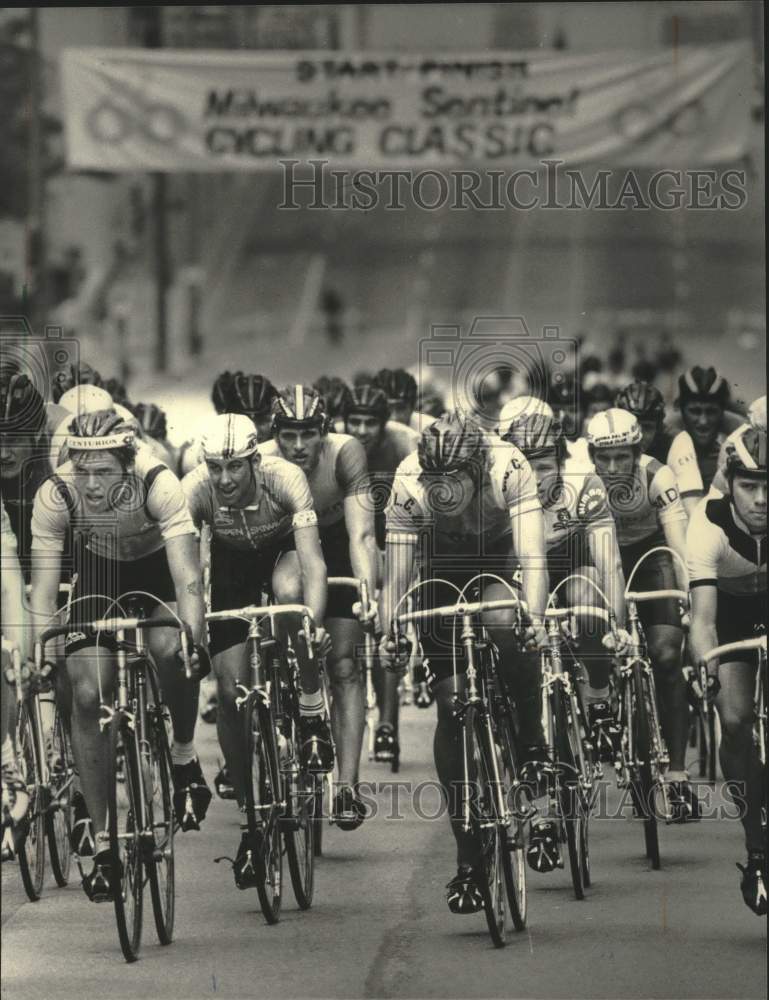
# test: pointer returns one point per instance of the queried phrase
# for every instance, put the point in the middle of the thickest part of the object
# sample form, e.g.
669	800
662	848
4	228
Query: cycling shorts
240	577
335	543
656	573
740	616
101	582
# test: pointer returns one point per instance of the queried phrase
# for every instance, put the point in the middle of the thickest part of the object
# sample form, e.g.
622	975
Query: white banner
135	109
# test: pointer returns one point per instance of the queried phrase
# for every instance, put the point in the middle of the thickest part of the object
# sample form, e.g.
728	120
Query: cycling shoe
99	885
462	893
752	882
543	854
192	795
82	836
223	785
386	748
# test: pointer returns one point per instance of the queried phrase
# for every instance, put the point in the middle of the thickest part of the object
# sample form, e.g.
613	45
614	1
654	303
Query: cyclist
334	392
366	416
257	508
154	426
464	502
703	396
251	395
401	390
647	511
335	466
15	799
134	532
580	538
757	419
647	405
726	548
24	456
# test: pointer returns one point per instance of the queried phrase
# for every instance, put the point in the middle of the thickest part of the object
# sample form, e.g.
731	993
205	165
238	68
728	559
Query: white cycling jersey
721	550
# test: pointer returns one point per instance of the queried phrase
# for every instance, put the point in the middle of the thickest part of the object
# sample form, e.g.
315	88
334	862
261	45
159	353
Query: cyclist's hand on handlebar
616	641
200	662
321	641
394	652
534	637
369	618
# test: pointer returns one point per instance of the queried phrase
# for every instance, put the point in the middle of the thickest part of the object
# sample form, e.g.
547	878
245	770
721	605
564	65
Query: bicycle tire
712	746
489	828
263	781
299	825
59	815
123	809
643	784
161	867
515	857
570	805
317	818
31	847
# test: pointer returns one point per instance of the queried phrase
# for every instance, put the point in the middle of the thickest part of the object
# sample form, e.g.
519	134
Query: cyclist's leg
591	649
348	708
448	753
230	667
179	693
287	589
665	643
739	758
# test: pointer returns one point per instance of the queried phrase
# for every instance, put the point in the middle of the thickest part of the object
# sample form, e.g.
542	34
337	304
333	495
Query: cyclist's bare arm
702	632
352	472
46	573
675	536
529	546
312	566
12	595
182	552
400	555
604	551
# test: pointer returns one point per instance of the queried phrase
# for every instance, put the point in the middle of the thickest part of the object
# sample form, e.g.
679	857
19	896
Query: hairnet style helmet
397	385
746	453
451	444
82	374
536	435
220	392
228	436
102	430
335	392
642	400
152	420
702	385
518	407
757	413
252	395
369	400
22	408
299	406
613	428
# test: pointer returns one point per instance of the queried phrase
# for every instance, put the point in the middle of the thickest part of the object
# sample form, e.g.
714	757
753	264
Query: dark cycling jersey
722	552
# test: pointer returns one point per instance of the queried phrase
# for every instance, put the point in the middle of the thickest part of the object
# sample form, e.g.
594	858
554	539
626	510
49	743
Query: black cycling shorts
335	543
740	617
240	577
656	573
101	581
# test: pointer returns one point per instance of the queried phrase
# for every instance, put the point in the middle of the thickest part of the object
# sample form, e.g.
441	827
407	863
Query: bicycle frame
759	646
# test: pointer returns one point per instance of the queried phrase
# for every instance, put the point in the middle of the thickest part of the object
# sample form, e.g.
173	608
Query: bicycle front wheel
644	783
264	804
159	796
59	815
489	827
514	857
125	827
31	852
299	835
571	801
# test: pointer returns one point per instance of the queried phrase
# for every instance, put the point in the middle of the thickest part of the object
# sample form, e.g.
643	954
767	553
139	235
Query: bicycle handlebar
640	596
744	646
588	610
455	610
347	581
254	611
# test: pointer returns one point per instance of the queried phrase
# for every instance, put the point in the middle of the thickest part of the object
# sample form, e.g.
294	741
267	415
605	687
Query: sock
596	694
311	704
183	753
9	757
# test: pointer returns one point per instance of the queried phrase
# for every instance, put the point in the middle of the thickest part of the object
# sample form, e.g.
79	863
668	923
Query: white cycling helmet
86	399
613	428
521	406
229	435
757	413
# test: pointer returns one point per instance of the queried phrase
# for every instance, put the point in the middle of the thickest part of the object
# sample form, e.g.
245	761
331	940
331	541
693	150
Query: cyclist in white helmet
647	510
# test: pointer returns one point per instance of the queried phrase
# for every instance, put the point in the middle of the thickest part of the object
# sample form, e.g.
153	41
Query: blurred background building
297	293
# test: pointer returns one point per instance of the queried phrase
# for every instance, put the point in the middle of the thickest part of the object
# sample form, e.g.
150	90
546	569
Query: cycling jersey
694	470
147	511
641	510
284	503
340	472
579	506
19	496
508	490
722	552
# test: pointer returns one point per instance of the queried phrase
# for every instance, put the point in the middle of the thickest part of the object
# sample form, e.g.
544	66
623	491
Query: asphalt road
379	926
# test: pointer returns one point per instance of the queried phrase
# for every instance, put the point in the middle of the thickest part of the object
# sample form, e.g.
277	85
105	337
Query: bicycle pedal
8	850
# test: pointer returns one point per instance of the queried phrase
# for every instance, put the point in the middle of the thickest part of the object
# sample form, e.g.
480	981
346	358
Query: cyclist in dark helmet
253	395
335	392
647	405
465	504
220	392
401	390
154	426
82	374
